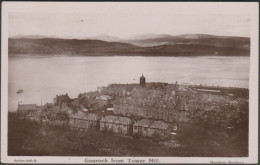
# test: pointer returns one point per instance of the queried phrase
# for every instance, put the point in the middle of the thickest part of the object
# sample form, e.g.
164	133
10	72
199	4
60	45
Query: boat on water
19	91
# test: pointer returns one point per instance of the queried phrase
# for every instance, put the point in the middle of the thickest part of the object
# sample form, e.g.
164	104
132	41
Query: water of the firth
42	78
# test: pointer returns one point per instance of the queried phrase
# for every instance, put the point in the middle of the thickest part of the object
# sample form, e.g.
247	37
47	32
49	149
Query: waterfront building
26	109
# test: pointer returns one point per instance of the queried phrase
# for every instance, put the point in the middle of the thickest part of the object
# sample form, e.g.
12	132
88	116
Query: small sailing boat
19	91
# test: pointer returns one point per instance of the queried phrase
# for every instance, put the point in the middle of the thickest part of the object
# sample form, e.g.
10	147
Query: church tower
142	80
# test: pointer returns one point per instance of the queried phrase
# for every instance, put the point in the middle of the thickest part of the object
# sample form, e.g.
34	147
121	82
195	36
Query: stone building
104	99
59	99
82	121
148	128
115	124
141	127
26	109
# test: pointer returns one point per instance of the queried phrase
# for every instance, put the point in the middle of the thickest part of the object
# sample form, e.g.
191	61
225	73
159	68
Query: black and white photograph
129	82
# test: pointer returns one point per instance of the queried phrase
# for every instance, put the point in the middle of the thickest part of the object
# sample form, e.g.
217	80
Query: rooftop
92	116
143	123
123	120
159	125
81	124
109	118
22	107
104	97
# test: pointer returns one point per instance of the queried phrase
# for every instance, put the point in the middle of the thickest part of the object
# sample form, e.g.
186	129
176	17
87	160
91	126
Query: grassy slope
28	139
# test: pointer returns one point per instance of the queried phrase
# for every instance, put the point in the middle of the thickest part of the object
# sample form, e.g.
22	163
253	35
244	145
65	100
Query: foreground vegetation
27	138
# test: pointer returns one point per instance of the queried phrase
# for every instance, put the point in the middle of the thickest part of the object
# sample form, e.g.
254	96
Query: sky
129	19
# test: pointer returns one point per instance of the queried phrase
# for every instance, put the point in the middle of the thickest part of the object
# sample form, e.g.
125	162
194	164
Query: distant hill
148	36
196	50
104	37
165	45
203	39
68	46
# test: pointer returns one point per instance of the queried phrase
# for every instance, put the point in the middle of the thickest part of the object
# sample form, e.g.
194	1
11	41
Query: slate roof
143	123
159	125
109	118
103	97
123	120
92	116
92	94
78	115
22	107
81	124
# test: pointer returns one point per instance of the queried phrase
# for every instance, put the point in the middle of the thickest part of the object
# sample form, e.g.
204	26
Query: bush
156	137
136	136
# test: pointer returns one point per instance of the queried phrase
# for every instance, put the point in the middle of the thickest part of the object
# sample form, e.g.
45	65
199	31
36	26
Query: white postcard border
250	8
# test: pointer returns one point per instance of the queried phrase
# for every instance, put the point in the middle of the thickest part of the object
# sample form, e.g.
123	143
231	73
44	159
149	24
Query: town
154	110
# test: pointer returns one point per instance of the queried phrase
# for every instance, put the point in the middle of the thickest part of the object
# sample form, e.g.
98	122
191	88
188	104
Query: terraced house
159	127
107	123
83	121
77	117
116	124
148	128
141	127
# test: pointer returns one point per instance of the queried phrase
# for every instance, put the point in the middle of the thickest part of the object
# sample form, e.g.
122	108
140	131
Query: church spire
142	80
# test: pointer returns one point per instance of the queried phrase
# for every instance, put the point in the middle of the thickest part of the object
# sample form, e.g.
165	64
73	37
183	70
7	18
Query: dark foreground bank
27	138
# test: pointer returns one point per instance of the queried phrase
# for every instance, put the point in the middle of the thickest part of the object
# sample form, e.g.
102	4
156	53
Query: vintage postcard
129	82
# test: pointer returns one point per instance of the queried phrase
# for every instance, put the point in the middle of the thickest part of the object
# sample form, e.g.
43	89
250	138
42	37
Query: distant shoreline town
144	109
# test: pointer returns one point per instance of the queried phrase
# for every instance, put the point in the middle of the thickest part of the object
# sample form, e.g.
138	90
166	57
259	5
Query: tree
195	138
156	136
62	115
81	95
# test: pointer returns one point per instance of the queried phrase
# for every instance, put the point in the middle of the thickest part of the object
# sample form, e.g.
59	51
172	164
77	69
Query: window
135	127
